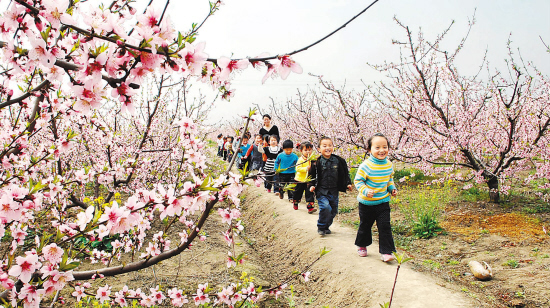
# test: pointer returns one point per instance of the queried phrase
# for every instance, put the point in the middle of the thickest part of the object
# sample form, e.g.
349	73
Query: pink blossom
177	297
194	57
227	66
150	19
31	295
39	52
288	65
157	295
26	266
103	293
78	292
52	253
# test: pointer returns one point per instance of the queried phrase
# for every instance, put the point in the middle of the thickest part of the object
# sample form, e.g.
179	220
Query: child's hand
394	192
308	167
350	187
246	157
370	193
312	188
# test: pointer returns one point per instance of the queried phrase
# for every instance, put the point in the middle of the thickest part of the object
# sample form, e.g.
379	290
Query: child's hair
231	137
274	136
288	144
369	142
247	134
323	138
306	145
220	135
266	138
245	137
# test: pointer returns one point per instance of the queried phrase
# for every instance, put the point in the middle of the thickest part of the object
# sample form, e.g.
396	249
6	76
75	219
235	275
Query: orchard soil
278	240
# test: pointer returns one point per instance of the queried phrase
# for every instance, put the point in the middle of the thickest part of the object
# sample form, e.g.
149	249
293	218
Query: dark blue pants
328	208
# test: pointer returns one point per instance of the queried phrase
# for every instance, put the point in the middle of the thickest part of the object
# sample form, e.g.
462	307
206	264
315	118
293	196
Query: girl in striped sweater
374	181
271	152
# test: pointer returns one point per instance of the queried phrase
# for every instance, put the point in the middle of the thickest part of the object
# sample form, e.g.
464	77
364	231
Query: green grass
418	175
511	263
474	194
422	208
354	223
346	209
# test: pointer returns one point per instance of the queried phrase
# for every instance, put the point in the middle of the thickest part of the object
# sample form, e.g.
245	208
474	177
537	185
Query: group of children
323	178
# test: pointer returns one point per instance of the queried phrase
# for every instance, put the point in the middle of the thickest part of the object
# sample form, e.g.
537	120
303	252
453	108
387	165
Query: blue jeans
328	208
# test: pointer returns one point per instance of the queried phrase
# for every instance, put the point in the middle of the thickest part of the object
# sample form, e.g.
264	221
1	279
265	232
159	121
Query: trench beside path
341	278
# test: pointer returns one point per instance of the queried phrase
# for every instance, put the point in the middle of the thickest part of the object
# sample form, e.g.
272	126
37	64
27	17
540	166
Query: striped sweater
374	174
271	154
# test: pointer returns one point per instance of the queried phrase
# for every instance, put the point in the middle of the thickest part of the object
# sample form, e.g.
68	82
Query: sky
246	28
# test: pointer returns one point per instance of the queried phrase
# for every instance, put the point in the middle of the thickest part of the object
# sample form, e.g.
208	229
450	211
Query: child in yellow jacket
302	171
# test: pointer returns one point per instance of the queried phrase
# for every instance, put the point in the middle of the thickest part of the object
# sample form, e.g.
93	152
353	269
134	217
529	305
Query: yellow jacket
301	169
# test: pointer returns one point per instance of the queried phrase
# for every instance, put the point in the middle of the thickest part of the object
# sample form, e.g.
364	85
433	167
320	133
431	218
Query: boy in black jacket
330	175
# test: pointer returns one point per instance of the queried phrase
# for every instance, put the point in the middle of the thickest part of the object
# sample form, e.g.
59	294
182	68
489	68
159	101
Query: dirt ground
279	240
513	244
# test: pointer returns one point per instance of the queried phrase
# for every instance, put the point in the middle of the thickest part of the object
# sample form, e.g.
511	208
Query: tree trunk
494	195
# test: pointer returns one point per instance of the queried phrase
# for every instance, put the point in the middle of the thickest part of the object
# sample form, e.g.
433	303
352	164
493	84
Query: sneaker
276	193
295	206
321	232
281	196
311	210
362	251
387	257
327	231
290	200
269	191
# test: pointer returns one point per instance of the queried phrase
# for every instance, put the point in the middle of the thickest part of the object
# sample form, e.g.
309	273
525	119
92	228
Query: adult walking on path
269	129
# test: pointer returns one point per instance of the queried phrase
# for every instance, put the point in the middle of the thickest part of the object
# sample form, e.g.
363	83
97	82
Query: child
271	152
374	181
230	148
302	170
220	145
224	148
242	152
330	176
286	161
255	152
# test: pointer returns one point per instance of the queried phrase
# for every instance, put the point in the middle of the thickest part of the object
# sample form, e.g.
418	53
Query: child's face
379	147
326	148
258	139
245	141
288	151
273	142
306	151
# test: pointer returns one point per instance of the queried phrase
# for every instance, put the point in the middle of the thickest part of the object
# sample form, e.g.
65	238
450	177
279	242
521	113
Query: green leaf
45	34
324	251
68	267
180	39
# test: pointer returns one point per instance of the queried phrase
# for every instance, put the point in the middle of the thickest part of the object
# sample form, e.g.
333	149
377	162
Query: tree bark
494	195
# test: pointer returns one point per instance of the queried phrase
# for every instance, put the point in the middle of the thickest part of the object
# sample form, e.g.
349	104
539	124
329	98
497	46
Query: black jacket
343	173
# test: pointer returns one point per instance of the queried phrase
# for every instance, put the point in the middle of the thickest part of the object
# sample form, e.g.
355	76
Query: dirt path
340	278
